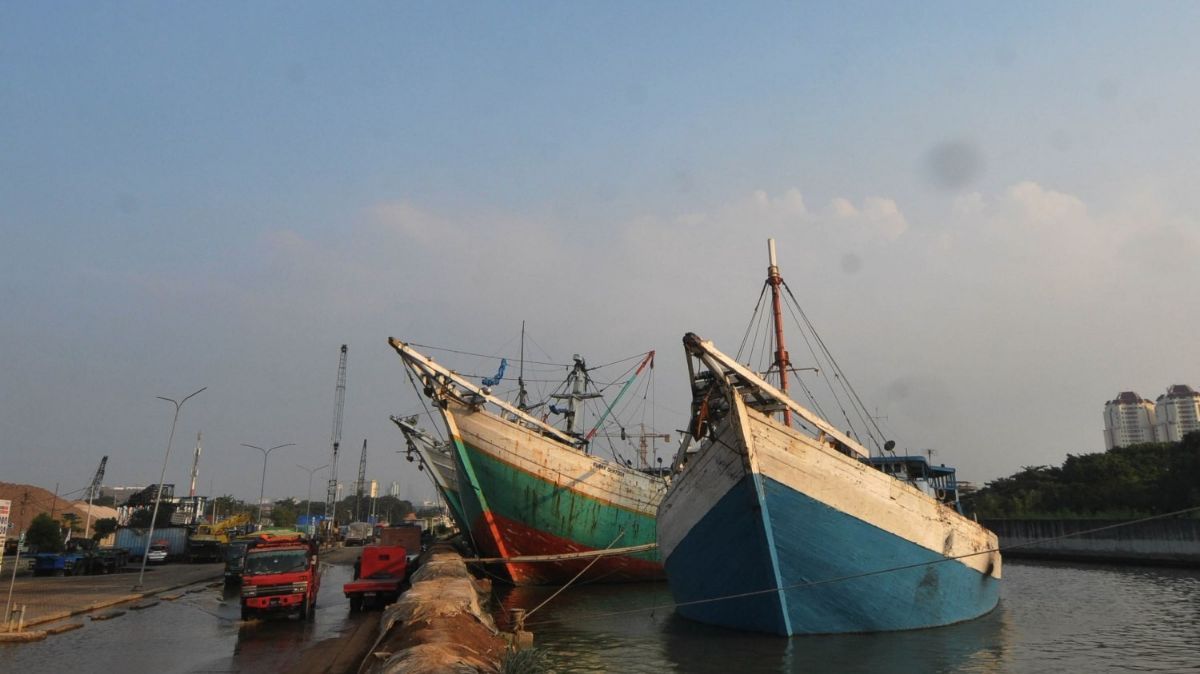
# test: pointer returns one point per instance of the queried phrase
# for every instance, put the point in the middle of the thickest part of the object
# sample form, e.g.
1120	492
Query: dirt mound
29	501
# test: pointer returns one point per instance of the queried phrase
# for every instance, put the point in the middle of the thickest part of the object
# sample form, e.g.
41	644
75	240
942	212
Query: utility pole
339	401
162	476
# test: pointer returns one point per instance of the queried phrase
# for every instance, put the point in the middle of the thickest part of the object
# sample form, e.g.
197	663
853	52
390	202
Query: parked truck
379	574
358	533
280	575
80	557
408	536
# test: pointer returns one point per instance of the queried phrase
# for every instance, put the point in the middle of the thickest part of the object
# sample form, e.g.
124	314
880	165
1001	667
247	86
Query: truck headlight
300	586
249	591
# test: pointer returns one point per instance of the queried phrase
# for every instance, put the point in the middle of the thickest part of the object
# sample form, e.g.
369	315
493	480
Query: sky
988	210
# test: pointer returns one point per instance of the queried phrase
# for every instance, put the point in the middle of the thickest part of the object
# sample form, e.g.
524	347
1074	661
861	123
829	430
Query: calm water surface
1051	618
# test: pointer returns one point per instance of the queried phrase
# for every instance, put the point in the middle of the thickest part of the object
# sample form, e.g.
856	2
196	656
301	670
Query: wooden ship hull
808	540
527	491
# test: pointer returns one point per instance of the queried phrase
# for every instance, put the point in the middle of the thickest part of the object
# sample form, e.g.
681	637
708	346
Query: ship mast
781	354
521	396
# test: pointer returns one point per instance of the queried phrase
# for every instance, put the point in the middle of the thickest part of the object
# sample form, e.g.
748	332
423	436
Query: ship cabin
939	482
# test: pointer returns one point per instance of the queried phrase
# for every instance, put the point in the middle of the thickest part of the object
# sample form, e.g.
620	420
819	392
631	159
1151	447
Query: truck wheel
247	613
356	604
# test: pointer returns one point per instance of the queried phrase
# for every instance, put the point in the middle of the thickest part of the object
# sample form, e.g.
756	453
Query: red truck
280	575
379	573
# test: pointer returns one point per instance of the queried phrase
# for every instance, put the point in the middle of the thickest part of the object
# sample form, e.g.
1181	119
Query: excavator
208	542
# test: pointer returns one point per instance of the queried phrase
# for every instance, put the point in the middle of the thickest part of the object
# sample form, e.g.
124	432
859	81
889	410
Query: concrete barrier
1173	542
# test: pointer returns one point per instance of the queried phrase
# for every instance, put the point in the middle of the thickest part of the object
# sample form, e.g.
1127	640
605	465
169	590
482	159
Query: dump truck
280	575
379	574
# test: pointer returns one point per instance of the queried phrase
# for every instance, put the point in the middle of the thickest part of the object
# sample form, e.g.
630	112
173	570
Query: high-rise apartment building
1177	413
1128	420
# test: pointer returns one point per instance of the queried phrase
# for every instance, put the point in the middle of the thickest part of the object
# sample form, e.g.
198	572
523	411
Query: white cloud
879	218
842	208
1041	206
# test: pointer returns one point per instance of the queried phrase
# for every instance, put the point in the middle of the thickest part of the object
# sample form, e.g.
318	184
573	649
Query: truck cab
280	574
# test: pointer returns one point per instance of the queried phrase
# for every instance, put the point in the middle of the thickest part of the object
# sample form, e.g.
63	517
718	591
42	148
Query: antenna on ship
775	280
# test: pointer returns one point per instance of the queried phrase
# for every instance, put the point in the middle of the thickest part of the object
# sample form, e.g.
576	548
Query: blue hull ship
777	522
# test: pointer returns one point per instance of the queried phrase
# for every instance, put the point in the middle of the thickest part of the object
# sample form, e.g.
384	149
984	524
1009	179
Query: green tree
71	521
44	534
141	518
283	513
103	528
1134	481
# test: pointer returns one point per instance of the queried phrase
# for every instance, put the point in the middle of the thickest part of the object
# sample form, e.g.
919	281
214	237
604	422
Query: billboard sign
5	507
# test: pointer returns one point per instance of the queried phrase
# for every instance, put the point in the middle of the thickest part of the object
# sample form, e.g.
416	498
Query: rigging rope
837	368
482	355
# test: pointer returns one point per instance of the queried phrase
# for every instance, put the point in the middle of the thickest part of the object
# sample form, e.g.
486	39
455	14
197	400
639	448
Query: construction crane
92	489
339	401
362	484
642	437
195	467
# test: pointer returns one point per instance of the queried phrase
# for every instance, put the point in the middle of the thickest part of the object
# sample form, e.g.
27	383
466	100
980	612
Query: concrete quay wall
1173	542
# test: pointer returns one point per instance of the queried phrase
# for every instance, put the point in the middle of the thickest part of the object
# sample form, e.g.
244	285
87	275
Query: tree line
1123	482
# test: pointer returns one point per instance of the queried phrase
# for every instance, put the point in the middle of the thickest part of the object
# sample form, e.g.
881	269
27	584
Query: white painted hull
771	485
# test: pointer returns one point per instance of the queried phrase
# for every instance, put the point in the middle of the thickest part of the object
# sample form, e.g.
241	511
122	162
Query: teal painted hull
514	512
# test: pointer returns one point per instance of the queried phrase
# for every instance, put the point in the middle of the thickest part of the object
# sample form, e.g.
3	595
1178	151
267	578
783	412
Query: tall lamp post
162	476
262	485
308	496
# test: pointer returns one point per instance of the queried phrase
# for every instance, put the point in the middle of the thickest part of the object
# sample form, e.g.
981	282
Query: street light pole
262	485
308	495
162	476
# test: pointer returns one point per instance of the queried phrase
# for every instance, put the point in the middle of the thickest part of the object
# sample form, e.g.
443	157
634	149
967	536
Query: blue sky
221	194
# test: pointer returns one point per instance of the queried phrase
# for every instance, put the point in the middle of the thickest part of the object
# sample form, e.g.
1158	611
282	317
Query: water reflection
1051	617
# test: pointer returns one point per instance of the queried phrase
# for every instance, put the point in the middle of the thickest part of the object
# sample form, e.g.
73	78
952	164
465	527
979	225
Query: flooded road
199	632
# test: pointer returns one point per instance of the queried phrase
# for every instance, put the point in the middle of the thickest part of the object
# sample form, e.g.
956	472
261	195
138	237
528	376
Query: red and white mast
781	354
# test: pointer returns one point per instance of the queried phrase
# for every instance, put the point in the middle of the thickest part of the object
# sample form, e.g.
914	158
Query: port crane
339	401
361	486
92	489
195	468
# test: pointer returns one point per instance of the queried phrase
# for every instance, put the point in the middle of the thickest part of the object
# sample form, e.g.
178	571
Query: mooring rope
569	582
605	552
828	581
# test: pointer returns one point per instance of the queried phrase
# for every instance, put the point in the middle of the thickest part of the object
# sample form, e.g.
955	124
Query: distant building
394	489
119	494
1128	420
1177	413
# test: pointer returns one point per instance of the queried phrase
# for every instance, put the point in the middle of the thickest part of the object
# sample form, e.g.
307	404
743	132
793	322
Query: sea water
1051	618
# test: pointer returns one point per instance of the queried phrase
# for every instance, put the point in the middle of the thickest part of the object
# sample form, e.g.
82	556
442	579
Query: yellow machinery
209	540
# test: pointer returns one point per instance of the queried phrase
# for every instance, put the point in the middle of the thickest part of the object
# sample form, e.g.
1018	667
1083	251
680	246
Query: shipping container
134	540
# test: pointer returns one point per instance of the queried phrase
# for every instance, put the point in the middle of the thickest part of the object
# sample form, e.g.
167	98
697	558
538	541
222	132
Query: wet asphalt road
199	632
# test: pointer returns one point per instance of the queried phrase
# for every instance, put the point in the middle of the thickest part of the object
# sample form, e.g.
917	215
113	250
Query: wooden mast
781	354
